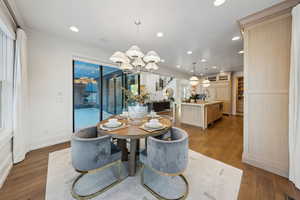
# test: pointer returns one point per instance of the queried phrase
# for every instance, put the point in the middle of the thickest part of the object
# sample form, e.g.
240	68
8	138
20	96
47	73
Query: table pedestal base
132	157
121	143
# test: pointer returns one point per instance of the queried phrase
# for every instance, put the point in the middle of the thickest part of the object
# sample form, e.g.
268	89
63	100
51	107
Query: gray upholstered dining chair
91	154
166	157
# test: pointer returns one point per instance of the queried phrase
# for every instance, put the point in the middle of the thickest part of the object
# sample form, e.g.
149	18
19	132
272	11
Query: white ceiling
194	25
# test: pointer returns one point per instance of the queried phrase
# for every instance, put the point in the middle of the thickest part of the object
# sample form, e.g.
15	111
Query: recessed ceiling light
178	66
203	60
241	52
74	29
236	38
160	34
162	60
219	2
214	67
189	52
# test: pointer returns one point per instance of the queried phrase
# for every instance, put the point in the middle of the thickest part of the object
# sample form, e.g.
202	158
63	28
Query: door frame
101	89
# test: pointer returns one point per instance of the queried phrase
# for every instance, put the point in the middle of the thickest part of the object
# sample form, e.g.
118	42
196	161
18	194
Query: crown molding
14	13
282	8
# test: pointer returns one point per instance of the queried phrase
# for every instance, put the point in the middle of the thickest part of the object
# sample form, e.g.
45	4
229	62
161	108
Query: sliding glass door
97	92
112	91
86	94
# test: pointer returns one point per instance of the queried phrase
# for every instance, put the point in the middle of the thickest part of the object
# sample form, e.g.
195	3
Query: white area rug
208	179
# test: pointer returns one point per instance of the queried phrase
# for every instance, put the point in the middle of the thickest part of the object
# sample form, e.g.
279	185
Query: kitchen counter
201	114
205	103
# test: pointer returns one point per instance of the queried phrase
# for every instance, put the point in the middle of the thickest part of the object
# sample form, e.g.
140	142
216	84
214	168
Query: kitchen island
201	114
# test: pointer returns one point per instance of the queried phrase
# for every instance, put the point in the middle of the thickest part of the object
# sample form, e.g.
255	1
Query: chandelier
194	79
134	60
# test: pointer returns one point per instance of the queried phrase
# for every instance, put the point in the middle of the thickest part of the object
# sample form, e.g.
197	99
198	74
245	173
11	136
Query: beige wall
50	85
266	73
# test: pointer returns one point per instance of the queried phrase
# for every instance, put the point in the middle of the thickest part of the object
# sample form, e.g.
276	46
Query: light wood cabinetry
220	90
201	114
267	44
214	112
192	114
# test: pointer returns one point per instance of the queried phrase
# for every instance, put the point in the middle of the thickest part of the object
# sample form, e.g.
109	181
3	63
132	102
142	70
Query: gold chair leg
158	196
89	196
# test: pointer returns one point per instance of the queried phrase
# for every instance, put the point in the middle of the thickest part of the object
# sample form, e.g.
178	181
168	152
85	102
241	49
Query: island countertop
201	114
204	103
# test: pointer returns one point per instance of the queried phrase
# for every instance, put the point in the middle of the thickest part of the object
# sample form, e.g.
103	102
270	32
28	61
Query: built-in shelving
240	95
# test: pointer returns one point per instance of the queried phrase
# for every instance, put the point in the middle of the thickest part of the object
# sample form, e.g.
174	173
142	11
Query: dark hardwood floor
223	141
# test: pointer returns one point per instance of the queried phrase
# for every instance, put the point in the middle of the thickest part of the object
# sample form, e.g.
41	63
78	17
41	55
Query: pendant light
194	80
206	83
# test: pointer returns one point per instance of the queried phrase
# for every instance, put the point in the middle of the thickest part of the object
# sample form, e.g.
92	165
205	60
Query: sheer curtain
20	99
6	78
294	101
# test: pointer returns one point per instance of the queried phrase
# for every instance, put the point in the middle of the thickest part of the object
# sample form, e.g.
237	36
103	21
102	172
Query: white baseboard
5	168
265	165
52	140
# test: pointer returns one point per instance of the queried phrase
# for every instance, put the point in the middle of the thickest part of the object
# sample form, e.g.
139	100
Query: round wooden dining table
133	133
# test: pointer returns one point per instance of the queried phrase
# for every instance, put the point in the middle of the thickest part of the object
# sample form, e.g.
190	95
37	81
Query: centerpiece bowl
137	113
